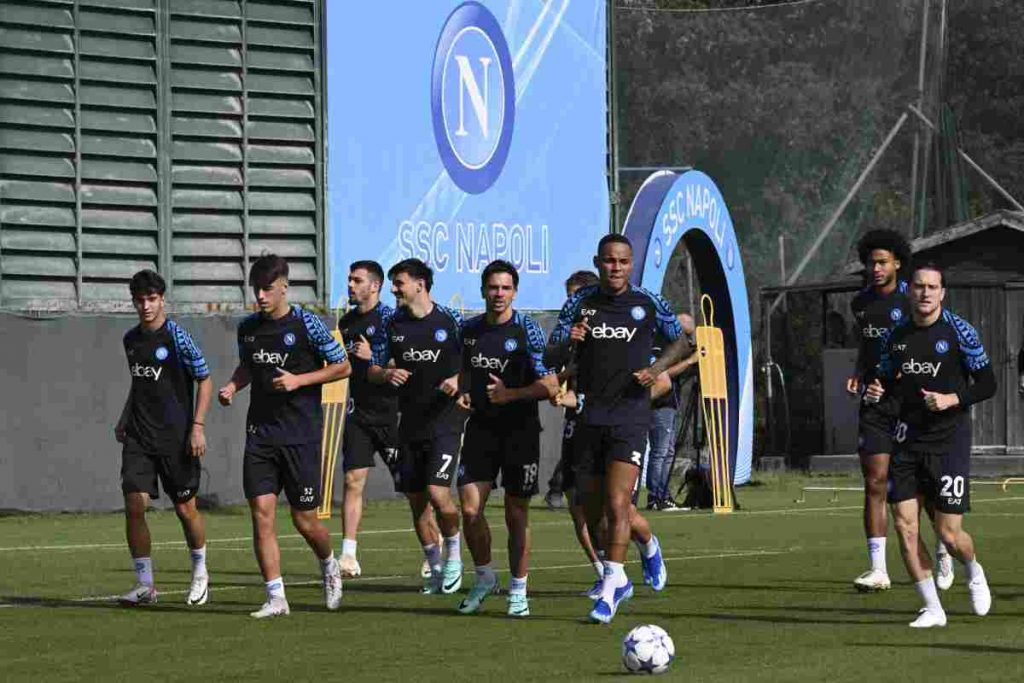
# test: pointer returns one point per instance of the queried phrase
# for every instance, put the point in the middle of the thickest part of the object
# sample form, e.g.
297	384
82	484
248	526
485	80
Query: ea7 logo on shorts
912	367
145	372
604	331
483	362
941	346
638	313
425	356
262	357
440	336
184	493
307	495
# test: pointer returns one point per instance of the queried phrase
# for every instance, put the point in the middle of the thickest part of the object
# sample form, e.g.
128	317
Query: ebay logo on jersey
912	367
605	331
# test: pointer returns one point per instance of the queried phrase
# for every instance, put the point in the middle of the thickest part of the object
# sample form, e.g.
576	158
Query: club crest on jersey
161	353
895	314
511	345
941	346
638	313
289	339
370	330
440	336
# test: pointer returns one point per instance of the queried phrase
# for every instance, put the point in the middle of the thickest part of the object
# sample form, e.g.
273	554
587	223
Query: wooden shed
983	260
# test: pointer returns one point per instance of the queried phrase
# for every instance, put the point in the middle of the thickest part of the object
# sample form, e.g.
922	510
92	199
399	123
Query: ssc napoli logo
289	339
657	252
638	313
895	314
511	345
440	336
472	97
161	353
370	330
941	346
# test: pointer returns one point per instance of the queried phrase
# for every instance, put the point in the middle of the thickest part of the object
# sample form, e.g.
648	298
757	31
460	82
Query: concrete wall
63	382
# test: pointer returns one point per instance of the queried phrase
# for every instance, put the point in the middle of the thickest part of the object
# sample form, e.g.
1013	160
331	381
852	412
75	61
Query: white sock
517	586
275	589
348	547
614	577
974	569
649	548
926	589
144	570
453	548
198	556
940	548
433	554
876	553
325	564
485	573
599	568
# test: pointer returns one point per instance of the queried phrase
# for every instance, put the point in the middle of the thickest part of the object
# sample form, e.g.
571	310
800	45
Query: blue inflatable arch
672	209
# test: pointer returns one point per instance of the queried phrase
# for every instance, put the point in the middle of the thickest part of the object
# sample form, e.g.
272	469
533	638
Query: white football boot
199	591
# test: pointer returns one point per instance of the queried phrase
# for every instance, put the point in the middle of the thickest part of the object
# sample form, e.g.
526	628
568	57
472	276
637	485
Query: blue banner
461	132
672	209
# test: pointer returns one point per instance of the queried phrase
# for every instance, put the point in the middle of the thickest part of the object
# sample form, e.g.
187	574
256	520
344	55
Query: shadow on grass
955	647
772	618
115	606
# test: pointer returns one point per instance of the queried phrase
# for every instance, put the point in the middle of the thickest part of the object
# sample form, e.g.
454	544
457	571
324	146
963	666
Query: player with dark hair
934	367
162	429
286	353
371	425
503	359
424	339
612	327
880	305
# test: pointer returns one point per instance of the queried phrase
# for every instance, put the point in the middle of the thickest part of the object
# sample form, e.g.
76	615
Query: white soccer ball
647	649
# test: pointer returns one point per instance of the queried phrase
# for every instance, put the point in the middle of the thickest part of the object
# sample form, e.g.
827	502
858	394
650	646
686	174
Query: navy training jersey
670	399
622	329
940	358
164	365
513	351
370	404
876	314
300	343
430	348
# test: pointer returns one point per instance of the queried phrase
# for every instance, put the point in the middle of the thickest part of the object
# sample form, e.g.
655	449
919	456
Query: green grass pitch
764	594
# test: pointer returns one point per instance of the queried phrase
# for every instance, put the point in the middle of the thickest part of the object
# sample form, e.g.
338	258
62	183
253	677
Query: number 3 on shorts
956	483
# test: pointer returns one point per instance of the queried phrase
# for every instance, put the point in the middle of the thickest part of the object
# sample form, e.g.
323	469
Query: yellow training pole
334	398
715	394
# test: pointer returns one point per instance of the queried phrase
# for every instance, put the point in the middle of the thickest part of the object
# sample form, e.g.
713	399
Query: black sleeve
1020	361
982	388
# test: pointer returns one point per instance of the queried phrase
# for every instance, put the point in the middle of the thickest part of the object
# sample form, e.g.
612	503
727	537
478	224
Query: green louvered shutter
180	135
